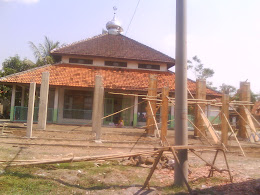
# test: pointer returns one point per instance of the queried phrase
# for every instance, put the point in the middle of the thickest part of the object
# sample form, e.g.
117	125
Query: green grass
24	183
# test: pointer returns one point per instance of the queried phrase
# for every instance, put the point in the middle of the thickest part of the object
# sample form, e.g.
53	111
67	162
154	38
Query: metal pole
181	128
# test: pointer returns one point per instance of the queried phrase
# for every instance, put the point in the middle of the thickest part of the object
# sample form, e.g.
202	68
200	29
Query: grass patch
173	189
24	183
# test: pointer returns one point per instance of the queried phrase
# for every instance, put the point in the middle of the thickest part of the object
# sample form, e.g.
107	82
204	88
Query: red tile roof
113	78
114	46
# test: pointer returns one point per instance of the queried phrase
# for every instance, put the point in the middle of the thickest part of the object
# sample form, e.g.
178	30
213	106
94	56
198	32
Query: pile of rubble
147	161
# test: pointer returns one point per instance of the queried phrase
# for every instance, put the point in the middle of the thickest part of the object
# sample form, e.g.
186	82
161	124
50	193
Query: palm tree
42	52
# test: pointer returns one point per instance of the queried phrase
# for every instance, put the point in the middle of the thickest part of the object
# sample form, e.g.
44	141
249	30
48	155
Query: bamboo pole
152	91
164	114
252	116
121	110
224	123
234	134
155	122
127	94
90	158
199	131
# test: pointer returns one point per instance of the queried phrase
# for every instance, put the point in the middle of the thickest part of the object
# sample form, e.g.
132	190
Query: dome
114	26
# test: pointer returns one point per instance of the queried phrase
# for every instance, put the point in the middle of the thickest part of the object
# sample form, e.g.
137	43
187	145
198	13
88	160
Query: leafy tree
42	52
198	68
200	72
15	64
10	66
227	89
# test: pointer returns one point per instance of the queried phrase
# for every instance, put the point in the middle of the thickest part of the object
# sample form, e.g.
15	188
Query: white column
43	106
30	110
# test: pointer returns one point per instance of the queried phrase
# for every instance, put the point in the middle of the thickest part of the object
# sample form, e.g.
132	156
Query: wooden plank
210	128
252	126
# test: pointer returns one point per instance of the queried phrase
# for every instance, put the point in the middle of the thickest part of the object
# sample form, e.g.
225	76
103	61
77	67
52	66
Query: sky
224	34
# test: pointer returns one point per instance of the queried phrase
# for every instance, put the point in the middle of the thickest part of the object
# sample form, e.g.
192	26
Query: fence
77	114
20	114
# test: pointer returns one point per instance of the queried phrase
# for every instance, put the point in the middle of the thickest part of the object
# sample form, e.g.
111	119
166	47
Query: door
108	109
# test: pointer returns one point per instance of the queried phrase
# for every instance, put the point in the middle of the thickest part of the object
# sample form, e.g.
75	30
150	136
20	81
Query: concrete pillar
12	103
200	94
244	95
22	98
181	105
164	114
100	113
30	110
55	109
43	107
135	111
224	123
152	92
98	107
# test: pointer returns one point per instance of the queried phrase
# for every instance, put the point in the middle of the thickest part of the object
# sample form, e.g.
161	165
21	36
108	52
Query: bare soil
60	141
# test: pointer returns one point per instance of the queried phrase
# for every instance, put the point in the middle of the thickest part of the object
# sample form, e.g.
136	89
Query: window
78	104
117	64
80	61
149	66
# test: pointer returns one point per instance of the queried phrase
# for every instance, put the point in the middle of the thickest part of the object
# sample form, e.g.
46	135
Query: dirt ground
61	141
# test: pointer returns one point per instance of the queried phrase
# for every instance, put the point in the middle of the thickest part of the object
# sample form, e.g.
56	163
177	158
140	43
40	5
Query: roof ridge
29	70
80	41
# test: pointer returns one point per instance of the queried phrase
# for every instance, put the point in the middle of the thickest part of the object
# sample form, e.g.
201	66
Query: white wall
101	62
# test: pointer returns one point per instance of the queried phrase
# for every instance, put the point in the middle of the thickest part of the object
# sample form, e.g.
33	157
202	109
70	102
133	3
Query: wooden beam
233	133
200	94
224	123
164	115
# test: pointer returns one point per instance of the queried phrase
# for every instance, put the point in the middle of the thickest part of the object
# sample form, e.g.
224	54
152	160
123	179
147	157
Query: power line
132	16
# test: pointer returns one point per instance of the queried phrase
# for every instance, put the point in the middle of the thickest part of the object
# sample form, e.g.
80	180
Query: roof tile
113	78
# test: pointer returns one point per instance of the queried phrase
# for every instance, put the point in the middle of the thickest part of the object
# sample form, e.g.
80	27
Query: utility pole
181	112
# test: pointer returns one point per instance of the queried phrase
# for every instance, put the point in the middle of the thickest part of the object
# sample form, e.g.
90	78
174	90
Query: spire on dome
114	26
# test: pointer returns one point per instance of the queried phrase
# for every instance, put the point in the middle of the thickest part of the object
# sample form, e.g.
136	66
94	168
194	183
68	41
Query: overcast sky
224	34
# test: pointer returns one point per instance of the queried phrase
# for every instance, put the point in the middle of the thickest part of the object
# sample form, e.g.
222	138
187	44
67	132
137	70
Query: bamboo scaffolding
199	131
122	110
149	99
206	119
241	118
253	116
234	135
155	122
88	158
127	94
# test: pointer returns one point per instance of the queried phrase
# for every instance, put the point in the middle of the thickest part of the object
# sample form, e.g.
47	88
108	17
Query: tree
42	52
200	72
10	66
15	64
228	89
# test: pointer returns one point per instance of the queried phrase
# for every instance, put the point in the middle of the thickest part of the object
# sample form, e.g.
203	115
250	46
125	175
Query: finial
113	26
115	9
